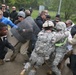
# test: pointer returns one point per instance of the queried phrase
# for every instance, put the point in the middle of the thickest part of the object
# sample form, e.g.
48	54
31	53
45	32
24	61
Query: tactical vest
61	43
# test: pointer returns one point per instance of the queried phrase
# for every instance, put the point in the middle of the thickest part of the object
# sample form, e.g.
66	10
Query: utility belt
61	44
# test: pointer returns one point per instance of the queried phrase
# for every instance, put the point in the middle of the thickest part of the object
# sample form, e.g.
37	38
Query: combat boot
23	72
49	72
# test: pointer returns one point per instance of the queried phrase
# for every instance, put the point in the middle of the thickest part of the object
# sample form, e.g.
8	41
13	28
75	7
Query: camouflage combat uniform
44	47
60	48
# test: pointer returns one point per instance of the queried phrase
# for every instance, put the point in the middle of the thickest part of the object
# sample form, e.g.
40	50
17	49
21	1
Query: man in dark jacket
13	14
4	42
40	19
5	12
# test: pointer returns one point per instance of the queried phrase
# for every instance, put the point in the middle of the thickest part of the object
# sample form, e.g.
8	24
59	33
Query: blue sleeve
11	24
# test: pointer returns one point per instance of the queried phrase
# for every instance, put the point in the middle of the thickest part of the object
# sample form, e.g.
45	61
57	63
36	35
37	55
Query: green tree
68	8
55	5
10	2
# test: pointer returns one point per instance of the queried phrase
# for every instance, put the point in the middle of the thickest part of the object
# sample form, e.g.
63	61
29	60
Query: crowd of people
52	40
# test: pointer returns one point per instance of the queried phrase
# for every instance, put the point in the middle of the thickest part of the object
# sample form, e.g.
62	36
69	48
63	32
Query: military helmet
48	24
61	26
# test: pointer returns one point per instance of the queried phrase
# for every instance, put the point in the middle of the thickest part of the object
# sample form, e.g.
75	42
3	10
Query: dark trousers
31	45
73	63
3	53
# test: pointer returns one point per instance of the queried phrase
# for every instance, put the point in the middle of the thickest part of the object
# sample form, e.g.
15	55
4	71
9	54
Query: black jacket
39	21
73	30
6	14
4	43
13	16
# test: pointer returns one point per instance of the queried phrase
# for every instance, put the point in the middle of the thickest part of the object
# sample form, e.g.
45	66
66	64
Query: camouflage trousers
58	57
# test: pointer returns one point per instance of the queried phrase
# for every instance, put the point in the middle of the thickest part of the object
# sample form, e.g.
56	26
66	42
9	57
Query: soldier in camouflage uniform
44	47
60	48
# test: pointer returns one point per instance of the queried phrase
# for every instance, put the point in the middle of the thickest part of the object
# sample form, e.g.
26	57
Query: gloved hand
13	50
20	29
67	33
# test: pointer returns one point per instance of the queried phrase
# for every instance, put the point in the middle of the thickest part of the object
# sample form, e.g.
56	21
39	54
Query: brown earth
14	68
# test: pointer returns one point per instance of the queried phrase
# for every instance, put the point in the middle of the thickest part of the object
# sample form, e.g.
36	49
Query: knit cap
22	14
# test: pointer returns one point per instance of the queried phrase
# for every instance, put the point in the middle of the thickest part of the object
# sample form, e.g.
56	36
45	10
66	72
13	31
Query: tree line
68	7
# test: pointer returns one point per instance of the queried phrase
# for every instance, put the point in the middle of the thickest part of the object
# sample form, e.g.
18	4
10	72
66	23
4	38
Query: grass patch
35	13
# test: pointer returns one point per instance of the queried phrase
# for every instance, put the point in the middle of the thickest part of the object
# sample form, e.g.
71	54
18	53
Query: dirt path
14	68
